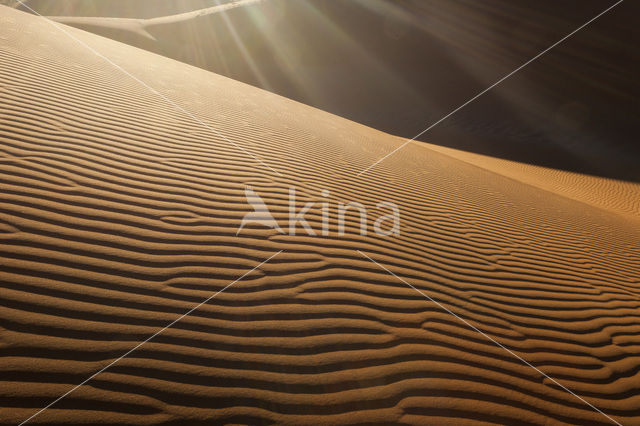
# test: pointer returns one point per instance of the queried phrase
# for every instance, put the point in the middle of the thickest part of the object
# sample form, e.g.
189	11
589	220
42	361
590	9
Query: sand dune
170	19
119	213
572	109
133	27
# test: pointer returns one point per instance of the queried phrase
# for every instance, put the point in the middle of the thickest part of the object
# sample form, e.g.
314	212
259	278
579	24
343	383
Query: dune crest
140	27
318	335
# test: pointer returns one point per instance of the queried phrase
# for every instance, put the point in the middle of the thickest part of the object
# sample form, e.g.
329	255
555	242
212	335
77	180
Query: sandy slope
609	194
119	212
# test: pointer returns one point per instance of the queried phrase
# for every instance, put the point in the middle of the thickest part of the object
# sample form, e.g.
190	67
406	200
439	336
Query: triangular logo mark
261	214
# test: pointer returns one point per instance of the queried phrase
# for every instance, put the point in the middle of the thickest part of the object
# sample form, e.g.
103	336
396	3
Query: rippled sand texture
119	211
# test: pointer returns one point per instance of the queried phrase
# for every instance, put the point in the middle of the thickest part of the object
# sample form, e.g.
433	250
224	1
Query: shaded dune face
119	212
116	8
401	66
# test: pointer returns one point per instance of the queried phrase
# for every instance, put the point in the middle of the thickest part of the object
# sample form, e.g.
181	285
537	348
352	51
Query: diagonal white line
151	89
490	87
150	337
473	327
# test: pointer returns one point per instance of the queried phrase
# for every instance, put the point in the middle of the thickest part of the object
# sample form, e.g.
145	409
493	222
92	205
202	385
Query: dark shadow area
400	66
